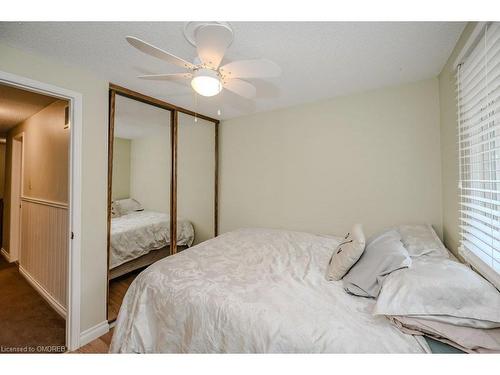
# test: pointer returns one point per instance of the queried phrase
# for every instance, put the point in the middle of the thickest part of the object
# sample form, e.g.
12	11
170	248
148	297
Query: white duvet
252	291
138	233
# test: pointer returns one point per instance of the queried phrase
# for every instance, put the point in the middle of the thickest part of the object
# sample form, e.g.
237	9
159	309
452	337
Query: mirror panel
162	169
140	193
195	177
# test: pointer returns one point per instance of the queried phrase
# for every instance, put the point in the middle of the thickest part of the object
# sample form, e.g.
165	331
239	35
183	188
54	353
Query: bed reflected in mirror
140	193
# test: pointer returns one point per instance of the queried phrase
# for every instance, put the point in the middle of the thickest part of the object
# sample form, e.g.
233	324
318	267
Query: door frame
75	195
15	200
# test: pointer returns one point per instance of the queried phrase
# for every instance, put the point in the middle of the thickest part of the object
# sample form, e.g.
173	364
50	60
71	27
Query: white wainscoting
44	248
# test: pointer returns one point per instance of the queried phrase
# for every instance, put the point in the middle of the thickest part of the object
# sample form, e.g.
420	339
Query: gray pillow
383	254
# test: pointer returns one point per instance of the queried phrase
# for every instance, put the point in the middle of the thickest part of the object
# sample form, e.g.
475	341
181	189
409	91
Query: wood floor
117	289
98	346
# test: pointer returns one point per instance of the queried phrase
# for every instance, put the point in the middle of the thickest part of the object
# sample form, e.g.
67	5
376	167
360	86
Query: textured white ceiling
319	59
17	105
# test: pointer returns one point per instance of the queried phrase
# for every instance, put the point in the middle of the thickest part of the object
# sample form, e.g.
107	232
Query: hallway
28	323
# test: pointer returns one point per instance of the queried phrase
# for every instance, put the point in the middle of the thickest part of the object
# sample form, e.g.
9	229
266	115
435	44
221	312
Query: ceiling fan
207	77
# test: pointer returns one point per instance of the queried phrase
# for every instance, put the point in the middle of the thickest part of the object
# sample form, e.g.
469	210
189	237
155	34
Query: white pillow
421	240
347	253
442	290
126	206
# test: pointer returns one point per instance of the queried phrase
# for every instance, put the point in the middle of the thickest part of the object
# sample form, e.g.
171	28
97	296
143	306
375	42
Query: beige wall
121	168
94	168
150	170
46	154
372	158
449	146
46	158
2	168
195	175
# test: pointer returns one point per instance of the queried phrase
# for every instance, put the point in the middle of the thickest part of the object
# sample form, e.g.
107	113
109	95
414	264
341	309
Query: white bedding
138	233
252	291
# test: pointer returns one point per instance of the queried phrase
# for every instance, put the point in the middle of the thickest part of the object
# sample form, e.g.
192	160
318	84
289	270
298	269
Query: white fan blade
151	50
167	77
260	68
211	42
240	87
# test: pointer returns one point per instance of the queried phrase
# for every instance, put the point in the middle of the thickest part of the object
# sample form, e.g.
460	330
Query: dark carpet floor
27	322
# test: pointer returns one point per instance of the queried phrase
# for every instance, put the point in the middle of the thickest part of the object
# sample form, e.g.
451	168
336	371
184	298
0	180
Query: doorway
36	207
25	197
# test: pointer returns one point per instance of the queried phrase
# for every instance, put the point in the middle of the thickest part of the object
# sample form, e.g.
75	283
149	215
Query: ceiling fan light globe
206	82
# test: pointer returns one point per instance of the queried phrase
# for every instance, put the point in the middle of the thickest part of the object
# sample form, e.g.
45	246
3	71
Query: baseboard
5	255
94	333
60	309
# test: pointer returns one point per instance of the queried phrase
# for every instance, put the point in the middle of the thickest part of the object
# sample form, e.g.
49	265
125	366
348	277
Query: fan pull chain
195	107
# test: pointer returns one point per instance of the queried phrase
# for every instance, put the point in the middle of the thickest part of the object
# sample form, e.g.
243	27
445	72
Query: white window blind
478	81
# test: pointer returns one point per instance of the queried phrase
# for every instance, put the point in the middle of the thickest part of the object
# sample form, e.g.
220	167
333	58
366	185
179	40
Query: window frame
469	256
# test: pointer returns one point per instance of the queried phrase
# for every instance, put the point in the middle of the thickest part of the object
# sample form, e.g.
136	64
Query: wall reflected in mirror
140	209
195	176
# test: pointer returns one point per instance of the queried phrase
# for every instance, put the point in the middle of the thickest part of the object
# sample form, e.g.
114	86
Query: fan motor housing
190	29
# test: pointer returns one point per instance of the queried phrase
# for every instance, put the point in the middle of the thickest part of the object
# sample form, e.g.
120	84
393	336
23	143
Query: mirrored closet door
162	185
195	178
140	193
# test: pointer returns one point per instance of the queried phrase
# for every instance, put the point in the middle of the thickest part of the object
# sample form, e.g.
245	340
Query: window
478	82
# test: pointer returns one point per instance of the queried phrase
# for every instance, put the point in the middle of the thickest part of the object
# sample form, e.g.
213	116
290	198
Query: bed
140	238
252	291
